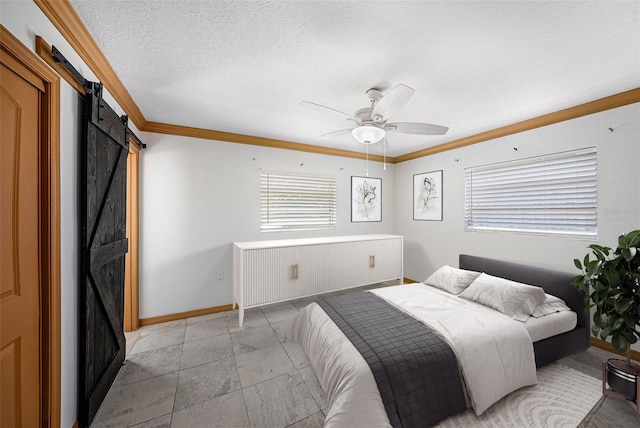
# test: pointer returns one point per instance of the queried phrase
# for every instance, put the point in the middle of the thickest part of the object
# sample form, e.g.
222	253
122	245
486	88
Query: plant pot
622	377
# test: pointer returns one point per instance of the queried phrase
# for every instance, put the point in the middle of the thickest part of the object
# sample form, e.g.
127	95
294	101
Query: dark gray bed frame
553	282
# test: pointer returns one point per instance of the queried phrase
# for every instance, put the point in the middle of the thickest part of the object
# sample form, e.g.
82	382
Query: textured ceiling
244	66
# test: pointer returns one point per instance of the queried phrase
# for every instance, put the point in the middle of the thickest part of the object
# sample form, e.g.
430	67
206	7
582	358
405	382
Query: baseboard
635	355
183	315
206	311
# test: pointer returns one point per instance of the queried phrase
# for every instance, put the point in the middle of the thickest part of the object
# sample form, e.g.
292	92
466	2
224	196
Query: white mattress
550	325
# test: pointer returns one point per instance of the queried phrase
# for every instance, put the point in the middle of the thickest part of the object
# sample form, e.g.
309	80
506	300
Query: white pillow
514	299
451	279
550	305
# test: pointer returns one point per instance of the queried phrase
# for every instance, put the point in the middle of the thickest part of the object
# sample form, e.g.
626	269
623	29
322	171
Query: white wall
429	244
198	196
69	235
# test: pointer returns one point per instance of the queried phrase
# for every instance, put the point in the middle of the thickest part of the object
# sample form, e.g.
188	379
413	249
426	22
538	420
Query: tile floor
206	371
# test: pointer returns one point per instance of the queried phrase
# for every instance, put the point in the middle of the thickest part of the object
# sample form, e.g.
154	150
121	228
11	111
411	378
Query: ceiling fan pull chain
367	168
384	152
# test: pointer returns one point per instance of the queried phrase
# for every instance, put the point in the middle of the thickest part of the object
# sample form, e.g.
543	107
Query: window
551	195
296	202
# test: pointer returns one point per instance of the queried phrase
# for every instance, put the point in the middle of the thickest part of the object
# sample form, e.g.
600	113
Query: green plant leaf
611	276
598	320
620	343
629	253
617	323
595	330
600	252
593	266
622	306
629	321
577	263
579	283
623	241
634	238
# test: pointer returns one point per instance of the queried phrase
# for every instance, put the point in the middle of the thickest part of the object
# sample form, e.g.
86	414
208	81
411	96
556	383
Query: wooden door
104	245
20	252
131	283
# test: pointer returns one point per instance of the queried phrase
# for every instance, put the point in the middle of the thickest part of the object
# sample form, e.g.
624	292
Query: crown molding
186	131
602	104
66	20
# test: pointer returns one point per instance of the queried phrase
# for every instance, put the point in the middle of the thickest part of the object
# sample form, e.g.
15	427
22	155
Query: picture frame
366	199
427	196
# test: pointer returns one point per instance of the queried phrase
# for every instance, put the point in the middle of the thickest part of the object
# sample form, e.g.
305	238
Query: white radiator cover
267	272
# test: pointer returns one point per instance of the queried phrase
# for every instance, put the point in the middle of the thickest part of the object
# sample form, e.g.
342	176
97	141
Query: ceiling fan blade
391	102
416	128
336	133
322	108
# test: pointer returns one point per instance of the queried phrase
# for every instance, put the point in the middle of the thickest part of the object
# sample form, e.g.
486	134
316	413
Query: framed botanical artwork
427	196
366	199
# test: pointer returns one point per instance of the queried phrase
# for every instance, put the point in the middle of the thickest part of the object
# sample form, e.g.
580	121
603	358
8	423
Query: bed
555	283
493	354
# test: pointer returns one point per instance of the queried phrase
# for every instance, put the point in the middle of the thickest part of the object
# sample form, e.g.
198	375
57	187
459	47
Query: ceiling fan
370	123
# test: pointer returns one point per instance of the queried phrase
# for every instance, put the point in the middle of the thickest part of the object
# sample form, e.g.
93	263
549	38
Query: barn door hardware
137	140
96	88
105	118
58	57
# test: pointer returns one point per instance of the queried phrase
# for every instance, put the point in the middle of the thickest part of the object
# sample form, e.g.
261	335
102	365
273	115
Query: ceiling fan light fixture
368	134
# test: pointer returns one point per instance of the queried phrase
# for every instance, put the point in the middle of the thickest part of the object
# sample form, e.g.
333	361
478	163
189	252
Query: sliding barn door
103	247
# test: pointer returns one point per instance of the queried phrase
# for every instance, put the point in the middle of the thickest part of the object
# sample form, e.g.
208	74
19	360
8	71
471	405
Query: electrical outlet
219	275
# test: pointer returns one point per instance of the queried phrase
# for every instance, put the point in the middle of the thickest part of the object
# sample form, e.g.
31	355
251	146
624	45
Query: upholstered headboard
553	282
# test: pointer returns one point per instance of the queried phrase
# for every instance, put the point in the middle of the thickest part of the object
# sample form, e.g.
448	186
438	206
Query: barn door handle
372	261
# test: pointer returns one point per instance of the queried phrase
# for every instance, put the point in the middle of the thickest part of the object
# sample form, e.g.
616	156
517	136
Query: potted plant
611	282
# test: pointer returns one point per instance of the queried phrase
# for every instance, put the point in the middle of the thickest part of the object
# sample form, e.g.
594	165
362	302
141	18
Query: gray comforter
415	369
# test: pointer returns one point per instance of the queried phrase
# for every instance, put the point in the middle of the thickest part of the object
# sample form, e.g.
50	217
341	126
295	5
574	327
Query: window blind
554	194
297	202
